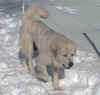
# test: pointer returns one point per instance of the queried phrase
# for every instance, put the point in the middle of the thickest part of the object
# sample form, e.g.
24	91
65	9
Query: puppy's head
64	54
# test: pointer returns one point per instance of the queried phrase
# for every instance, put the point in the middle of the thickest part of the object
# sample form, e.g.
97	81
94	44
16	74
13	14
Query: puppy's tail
33	11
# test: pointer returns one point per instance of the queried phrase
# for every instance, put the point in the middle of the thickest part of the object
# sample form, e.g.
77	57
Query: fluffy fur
54	48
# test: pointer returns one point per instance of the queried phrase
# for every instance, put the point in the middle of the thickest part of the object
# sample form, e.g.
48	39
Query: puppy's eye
65	55
72	54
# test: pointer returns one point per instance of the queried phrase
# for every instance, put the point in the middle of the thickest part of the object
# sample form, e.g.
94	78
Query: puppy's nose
70	64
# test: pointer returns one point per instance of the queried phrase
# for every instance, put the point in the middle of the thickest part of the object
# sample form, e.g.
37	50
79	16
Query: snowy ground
82	79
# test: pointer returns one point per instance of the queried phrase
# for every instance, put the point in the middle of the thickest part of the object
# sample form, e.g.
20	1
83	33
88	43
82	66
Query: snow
82	79
67	9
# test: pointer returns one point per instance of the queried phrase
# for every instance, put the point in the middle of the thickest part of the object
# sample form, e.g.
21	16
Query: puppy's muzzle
70	64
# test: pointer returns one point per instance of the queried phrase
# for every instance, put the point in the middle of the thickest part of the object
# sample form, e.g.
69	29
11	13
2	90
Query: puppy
54	48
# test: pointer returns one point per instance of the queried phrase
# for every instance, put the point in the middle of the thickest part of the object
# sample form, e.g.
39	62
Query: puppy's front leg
41	72
55	81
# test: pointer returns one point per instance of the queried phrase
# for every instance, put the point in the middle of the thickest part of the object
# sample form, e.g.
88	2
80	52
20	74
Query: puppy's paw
42	77
44	80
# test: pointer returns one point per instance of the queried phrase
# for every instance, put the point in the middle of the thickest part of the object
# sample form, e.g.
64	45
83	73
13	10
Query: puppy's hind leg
25	56
23	60
30	51
22	56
